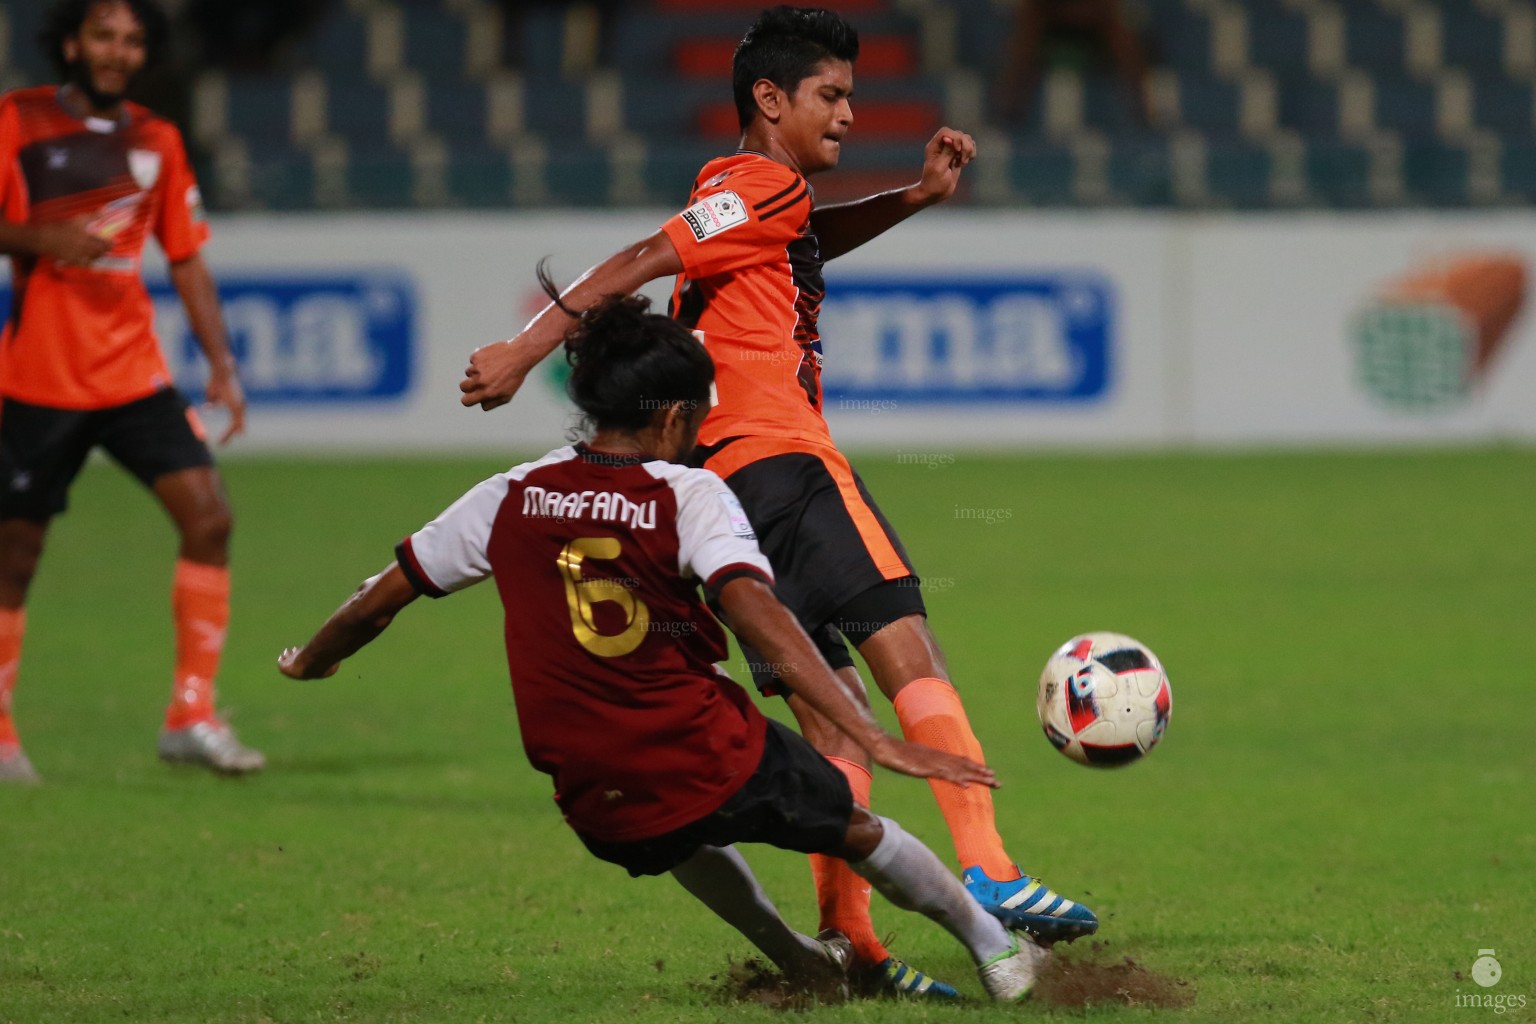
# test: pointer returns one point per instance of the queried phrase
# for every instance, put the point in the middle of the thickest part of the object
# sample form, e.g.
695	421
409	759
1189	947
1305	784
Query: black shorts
796	800
837	562
43	448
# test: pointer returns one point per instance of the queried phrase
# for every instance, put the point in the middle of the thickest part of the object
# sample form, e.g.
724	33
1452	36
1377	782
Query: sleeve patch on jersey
195	204
719	212
741	526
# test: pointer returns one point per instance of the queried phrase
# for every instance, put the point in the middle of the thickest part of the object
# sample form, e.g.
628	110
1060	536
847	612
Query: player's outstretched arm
845	227
497	370
759	619
366	614
200	297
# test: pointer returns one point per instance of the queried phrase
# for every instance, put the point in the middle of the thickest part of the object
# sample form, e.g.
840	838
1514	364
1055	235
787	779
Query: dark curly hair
65	18
784	45
628	363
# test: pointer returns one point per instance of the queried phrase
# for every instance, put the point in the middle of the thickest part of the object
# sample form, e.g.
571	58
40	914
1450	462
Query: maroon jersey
613	654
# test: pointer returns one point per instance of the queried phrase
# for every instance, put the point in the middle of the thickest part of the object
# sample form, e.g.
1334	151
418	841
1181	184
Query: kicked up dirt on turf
1096	979
753	981
1070	981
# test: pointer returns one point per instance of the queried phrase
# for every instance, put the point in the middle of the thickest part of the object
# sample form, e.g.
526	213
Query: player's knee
207	533
865	831
828	739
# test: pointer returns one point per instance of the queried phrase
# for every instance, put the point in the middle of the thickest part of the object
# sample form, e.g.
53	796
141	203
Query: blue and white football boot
1029	905
897	978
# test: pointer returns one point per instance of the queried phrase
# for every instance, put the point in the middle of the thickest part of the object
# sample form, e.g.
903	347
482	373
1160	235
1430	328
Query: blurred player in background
748	253
660	762
85	177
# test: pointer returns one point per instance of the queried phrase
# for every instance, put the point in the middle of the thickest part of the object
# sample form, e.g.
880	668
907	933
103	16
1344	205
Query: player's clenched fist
494	374
292	664
944	158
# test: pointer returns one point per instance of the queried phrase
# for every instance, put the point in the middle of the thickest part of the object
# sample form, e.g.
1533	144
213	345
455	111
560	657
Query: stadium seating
1238	175
1044	174
1255	103
21	61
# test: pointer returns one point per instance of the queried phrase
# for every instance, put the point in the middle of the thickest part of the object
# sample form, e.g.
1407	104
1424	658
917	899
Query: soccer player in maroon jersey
747	254
85	177
660	762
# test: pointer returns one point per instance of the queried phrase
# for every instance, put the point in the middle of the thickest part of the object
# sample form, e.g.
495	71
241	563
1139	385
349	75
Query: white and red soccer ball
1104	699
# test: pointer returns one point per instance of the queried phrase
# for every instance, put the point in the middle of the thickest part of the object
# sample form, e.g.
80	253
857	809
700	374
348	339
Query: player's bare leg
909	667
193	733
841	894
21	545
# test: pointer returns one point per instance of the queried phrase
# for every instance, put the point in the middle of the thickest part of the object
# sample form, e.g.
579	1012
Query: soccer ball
1104	699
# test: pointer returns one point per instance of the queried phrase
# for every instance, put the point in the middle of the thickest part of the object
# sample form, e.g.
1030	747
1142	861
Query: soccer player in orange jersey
747	254
85	177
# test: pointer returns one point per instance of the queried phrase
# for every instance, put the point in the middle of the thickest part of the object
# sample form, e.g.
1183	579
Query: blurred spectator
588	35
1081	32
246	35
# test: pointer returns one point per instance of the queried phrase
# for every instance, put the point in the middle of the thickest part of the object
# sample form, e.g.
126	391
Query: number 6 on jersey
582	594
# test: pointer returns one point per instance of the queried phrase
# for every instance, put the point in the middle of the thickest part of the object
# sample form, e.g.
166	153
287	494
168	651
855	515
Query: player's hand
946	156
927	763
224	390
495	373
291	664
70	244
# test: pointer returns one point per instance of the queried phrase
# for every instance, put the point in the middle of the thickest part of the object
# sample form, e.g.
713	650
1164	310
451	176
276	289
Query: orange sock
930	713
200	603
13	625
842	895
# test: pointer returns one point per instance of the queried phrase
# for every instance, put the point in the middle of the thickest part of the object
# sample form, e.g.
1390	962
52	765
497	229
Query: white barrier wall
961	327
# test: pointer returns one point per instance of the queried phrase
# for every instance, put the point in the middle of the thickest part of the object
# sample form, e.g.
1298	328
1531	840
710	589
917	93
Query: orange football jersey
752	287
83	337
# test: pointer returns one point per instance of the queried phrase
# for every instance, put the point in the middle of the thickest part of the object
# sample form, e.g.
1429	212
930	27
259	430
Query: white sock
909	875
722	881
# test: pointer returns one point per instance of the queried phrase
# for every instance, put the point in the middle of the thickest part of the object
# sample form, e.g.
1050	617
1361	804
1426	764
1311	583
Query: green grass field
1342	814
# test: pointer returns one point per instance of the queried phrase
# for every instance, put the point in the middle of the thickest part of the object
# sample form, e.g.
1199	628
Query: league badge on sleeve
741	526
195	208
714	214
